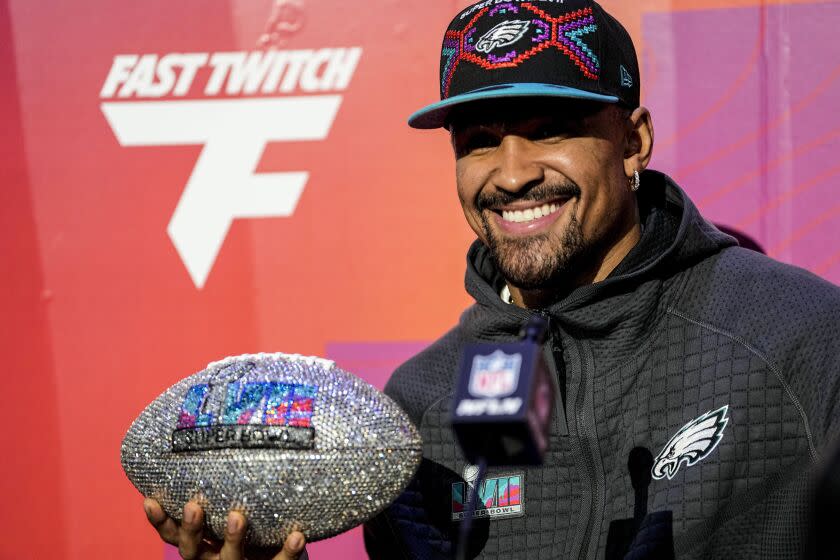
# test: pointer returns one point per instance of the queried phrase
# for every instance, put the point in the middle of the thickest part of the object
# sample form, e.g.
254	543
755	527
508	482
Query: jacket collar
674	236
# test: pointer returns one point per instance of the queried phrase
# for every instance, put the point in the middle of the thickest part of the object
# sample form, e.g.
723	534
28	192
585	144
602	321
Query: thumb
293	548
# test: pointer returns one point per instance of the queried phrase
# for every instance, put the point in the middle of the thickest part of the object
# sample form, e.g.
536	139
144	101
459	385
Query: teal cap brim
435	115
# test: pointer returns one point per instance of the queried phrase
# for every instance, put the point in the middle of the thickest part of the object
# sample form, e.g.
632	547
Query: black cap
513	48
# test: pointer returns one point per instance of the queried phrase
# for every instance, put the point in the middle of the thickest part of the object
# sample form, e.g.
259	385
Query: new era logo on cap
626	78
515	48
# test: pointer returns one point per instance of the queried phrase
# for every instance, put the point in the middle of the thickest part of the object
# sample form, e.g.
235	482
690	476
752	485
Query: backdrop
188	180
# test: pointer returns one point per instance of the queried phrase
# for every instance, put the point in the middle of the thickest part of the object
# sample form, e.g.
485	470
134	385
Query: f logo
223	185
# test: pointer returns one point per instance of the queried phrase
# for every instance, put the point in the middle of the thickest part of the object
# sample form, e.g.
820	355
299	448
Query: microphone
504	398
501	413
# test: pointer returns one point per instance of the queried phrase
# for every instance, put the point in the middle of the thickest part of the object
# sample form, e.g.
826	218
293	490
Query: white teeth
529	215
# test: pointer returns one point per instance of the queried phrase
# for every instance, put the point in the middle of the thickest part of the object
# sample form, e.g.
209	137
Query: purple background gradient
745	105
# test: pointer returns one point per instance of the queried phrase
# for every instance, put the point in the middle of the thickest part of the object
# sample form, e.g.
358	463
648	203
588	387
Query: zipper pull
553	354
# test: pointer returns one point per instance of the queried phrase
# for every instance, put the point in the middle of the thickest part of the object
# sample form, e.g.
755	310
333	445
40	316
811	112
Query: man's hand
188	536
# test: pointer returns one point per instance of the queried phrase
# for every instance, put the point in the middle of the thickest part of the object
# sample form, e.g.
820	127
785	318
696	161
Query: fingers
293	547
233	548
234	535
189	534
163	524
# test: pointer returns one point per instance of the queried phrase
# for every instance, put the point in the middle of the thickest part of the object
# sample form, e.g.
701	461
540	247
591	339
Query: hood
674	237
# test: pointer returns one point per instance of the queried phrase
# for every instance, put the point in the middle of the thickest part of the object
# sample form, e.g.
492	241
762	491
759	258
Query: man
698	379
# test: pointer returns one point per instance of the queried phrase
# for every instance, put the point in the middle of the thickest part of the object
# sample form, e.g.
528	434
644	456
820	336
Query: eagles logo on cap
515	48
504	34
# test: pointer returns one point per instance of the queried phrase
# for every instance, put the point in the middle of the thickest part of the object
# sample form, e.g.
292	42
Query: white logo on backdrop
233	132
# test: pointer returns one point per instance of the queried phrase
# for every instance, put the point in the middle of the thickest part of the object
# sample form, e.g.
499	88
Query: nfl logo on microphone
495	376
502	404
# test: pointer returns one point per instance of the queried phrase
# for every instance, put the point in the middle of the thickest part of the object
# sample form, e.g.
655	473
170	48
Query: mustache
496	199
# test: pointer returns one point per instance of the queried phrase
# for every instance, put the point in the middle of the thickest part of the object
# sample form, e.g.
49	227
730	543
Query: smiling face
544	184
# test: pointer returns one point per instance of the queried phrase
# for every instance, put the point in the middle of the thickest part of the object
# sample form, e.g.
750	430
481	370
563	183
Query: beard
542	261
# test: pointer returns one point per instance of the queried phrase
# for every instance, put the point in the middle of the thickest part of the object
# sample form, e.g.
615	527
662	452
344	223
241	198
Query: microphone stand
469	511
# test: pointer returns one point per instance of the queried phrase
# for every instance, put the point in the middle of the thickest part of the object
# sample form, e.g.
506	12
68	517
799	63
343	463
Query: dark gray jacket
720	362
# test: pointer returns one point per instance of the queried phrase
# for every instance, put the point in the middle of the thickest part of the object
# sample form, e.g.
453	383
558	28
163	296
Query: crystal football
290	441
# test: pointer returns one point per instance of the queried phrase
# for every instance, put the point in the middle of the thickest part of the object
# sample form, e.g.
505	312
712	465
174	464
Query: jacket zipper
569	412
586	432
558	369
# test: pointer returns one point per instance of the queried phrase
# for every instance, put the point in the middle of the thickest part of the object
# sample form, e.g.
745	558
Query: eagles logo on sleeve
694	442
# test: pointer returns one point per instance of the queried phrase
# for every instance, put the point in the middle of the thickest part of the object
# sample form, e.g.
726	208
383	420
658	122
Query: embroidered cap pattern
564	33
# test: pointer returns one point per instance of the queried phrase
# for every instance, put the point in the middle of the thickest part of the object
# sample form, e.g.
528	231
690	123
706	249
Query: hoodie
698	389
